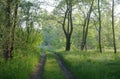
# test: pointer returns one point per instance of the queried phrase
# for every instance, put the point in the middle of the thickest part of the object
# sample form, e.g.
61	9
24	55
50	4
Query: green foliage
21	41
37	27
92	65
27	33
52	32
21	66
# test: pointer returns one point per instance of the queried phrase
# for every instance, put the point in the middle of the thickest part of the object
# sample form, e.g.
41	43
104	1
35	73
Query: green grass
92	65
21	66
52	70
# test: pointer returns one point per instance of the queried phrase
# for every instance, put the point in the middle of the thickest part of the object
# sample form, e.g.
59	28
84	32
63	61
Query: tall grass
92	65
21	66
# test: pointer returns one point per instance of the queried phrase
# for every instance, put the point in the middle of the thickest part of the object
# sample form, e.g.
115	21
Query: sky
48	5
117	9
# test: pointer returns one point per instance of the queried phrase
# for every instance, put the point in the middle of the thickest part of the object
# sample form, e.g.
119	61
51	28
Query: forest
59	39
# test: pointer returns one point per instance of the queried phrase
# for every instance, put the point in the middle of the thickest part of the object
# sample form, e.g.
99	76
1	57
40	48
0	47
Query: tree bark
83	35
100	48
114	42
7	35
69	30
83	45
67	43
13	28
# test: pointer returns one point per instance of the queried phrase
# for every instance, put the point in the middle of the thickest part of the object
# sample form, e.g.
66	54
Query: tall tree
113	30
69	29
99	11
85	27
7	34
14	25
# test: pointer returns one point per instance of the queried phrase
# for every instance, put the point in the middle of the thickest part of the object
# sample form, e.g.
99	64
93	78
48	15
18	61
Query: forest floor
44	67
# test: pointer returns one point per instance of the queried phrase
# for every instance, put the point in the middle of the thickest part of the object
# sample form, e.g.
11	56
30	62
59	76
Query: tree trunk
83	35
7	35
114	42
100	48
13	28
86	29
68	43
69	30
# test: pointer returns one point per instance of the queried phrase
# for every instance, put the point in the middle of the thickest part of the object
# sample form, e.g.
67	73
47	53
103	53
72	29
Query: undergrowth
21	66
92	65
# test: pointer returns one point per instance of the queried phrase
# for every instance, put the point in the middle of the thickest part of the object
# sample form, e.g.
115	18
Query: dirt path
65	71
38	73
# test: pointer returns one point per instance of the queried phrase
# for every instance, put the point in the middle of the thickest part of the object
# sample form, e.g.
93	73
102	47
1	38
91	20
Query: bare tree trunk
71	25
67	43
69	30
13	28
7	34
83	35
100	48
114	42
68	35
86	29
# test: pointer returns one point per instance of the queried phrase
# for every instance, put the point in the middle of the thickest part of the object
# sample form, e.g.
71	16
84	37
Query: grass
52	70
21	66
92	65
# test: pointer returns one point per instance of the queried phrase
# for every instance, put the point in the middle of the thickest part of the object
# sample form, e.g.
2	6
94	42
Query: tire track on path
65	71
38	73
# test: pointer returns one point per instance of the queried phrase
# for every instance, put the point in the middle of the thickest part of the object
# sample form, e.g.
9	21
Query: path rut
38	73
65	71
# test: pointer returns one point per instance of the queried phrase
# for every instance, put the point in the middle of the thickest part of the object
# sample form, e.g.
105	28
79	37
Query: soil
38	73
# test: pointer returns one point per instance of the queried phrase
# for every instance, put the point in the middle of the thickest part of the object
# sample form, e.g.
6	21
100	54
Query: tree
30	16
114	42
99	11
14	25
7	34
68	31
85	27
